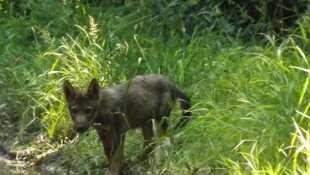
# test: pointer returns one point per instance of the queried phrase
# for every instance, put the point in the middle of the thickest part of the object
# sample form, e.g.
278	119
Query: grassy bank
250	98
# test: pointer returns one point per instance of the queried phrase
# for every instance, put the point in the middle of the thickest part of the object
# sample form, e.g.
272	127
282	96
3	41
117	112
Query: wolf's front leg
116	154
113	149
106	140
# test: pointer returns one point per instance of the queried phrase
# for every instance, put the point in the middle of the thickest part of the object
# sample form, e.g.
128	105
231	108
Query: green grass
250	99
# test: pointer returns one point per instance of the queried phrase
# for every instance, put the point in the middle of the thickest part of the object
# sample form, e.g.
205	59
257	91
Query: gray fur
142	98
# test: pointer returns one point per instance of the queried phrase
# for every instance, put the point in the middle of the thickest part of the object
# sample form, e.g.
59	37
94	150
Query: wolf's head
83	106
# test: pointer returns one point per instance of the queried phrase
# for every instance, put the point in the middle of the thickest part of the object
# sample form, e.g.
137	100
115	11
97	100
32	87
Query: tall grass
292	158
242	112
78	60
250	100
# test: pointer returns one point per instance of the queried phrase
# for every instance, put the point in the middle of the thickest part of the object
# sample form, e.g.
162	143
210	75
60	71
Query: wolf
112	111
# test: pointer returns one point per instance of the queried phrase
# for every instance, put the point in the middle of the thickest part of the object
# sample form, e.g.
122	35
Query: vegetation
250	91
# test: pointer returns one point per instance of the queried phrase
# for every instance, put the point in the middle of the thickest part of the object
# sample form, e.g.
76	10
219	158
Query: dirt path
9	165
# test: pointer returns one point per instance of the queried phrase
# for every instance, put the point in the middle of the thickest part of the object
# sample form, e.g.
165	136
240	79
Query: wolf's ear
69	90
93	89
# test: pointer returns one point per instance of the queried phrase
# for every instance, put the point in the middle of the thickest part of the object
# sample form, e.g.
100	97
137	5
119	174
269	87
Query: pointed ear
93	89
69	90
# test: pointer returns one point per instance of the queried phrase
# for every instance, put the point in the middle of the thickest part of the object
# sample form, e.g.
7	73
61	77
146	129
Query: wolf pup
137	103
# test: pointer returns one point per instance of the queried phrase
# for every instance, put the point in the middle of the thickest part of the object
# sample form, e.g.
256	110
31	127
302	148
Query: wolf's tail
185	102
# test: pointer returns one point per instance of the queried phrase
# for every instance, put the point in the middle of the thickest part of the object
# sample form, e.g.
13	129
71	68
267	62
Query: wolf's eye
74	110
88	110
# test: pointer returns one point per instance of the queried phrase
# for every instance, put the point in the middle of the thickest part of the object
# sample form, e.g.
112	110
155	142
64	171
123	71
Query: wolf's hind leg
148	143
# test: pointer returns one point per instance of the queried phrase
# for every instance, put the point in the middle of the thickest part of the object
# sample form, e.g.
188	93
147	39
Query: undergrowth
250	98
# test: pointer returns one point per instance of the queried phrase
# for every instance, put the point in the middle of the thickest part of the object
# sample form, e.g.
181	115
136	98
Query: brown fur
133	104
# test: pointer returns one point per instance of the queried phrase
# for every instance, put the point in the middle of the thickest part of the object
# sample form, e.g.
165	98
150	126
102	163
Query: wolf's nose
80	129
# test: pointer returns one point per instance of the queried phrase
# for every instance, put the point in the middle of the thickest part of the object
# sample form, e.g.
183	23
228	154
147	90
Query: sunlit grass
250	100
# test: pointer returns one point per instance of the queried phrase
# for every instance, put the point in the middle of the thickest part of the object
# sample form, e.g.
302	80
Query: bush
246	18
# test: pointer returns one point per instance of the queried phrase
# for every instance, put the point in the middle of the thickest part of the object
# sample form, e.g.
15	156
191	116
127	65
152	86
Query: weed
245	93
